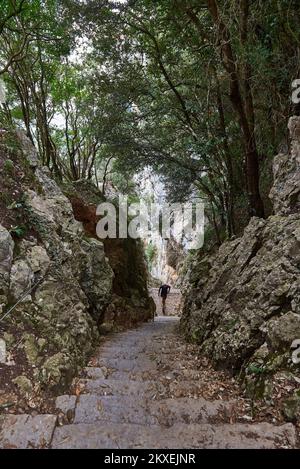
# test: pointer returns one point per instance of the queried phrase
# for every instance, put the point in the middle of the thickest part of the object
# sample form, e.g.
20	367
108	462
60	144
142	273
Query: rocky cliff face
130	301
56	282
242	305
167	261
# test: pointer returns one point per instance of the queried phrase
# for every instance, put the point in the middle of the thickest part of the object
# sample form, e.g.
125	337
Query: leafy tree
197	90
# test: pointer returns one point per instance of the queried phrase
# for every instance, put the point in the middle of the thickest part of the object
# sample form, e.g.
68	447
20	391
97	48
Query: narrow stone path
126	401
147	388
172	303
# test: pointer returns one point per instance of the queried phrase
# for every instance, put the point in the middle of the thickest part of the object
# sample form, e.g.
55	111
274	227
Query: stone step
133	344
91	408
123	364
119	355
113	387
92	372
25	431
134	354
130	387
172	375
167	319
112	373
122	352
116	409
182	436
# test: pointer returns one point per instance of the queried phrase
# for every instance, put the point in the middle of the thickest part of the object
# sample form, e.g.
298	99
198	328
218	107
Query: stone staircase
122	405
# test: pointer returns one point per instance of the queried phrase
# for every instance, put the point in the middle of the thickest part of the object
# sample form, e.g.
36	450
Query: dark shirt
164	290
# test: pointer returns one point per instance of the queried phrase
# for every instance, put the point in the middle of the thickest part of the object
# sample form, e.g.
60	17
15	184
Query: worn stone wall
242	304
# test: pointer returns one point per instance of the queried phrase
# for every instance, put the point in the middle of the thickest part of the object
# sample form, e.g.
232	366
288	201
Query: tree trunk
251	154
229	196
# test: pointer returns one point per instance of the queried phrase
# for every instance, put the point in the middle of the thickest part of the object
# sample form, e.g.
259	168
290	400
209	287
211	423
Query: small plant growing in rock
151	252
254	369
8	167
18	231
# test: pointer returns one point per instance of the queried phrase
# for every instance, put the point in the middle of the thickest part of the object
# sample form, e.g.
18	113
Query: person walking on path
163	292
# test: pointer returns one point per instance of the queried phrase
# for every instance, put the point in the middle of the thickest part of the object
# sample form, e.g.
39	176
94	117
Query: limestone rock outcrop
6	258
56	281
285	192
242	304
130	301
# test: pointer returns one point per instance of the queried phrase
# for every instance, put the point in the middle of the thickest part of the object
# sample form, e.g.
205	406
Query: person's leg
163	304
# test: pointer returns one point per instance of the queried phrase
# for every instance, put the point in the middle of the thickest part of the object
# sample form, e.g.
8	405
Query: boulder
28	149
129	302
21	280
38	259
282	331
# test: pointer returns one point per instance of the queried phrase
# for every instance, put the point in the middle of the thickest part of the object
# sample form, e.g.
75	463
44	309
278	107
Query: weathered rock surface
26	432
130	301
66	403
2	351
66	276
6	258
243	303
182	436
21	277
96	276
285	193
168	257
56	277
